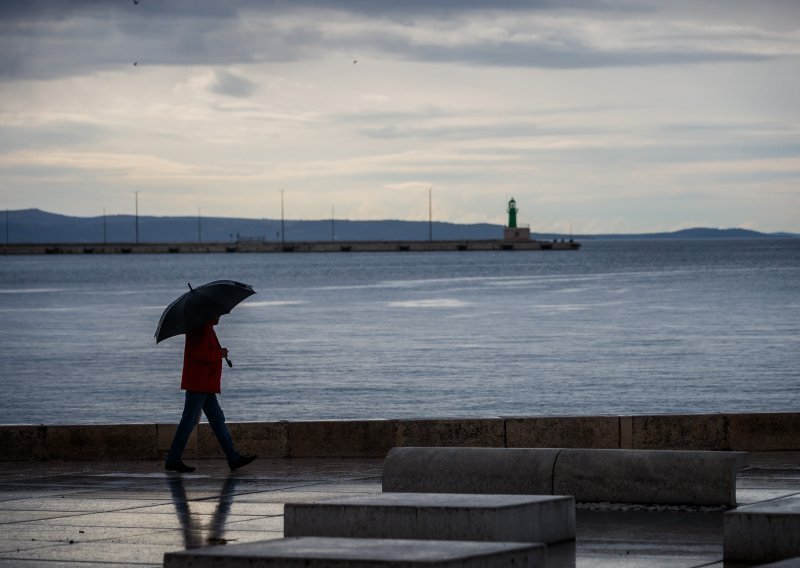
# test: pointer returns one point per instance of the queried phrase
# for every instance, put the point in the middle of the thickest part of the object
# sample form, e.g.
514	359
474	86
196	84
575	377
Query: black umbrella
200	305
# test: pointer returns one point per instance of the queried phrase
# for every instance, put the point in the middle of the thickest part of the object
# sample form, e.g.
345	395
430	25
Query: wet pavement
55	514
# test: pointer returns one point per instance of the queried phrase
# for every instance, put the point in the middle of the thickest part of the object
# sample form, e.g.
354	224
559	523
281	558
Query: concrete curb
374	438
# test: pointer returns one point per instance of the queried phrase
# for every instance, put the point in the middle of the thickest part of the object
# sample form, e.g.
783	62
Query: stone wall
374	438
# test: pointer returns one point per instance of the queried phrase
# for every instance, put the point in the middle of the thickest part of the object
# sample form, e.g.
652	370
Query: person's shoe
241	461
178	466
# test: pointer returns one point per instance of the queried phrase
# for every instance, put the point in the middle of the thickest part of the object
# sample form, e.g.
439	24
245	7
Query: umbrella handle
229	362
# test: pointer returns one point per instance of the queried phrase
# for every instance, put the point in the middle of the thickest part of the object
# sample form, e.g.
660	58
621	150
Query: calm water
618	327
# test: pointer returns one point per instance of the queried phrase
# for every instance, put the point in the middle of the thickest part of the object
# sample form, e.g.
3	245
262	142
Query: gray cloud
53	135
569	55
232	85
52	38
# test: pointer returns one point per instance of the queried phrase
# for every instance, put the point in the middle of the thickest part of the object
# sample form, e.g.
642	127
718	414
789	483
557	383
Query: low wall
752	432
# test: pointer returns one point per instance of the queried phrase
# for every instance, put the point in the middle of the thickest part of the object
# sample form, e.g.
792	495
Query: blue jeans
207	403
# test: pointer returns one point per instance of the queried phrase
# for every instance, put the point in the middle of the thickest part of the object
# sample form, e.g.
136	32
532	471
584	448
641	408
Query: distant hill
37	226
698	233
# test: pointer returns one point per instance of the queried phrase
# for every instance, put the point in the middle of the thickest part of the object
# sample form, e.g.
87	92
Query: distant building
512	232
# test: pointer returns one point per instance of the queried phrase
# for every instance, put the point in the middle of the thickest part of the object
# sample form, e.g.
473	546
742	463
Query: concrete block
488	432
591	475
649	476
101	442
763	532
563	432
265	439
440	516
511	471
318	552
165	434
764	432
21	443
680	432
343	438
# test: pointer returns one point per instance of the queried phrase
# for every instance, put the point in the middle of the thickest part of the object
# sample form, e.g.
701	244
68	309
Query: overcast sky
607	116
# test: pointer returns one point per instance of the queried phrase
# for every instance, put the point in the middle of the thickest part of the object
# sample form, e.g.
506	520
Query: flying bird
136	2
355	61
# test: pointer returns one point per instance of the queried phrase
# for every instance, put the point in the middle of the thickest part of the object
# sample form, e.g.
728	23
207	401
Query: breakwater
274	246
374	438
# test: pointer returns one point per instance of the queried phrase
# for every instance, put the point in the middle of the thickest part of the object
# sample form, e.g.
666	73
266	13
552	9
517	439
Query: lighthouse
512	214
512	232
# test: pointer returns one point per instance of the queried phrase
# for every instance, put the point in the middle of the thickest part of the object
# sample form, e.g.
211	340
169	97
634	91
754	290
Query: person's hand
224	352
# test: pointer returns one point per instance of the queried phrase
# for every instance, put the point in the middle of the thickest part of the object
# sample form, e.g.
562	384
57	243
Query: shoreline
374	438
256	246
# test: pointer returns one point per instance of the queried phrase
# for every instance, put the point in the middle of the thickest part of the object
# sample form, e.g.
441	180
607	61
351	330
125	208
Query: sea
619	327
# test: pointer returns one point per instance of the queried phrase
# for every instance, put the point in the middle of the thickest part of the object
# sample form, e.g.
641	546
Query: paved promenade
56	514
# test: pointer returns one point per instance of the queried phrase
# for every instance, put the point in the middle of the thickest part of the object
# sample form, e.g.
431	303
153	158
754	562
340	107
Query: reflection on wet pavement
56	514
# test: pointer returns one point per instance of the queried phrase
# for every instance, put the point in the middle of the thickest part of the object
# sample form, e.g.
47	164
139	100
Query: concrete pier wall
374	438
274	246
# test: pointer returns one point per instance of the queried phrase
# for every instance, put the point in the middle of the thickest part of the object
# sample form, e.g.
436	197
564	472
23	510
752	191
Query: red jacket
202	361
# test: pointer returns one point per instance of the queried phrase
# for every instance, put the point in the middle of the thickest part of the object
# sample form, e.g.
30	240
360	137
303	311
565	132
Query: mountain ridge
37	226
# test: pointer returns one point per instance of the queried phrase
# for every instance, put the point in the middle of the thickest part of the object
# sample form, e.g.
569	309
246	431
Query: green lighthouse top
512	213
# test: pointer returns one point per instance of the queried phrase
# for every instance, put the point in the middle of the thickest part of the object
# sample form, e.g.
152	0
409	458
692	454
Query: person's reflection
192	527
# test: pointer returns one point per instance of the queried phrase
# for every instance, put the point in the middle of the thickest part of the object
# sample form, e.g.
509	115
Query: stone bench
441	516
670	477
763	532
318	552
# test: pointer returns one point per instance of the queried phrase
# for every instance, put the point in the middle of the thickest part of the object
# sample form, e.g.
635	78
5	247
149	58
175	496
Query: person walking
201	379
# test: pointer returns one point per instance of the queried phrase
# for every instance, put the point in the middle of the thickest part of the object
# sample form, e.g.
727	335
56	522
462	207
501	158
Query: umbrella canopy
200	305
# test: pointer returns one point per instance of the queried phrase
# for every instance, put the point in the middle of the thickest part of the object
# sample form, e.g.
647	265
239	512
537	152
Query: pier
255	246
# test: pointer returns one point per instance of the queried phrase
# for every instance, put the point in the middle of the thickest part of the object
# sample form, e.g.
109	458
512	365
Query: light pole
283	235
137	215
332	224
430	214
104	225
199	227
7	225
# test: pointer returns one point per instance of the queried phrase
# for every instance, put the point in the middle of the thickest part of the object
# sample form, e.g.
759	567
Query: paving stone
639	539
130	519
750	496
237	507
312	552
13	517
77	505
440	516
106	554
258	524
